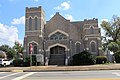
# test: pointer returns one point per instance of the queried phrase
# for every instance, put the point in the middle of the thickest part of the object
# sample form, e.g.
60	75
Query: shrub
83	58
117	57
101	59
27	61
18	63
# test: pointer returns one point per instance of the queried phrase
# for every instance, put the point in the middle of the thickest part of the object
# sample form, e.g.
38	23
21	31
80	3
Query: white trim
86	39
95	35
58	31
33	11
30	17
92	41
57	44
32	42
99	38
36	16
77	42
33	17
91	26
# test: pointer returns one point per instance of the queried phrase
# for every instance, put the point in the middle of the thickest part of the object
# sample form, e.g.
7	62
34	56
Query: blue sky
12	13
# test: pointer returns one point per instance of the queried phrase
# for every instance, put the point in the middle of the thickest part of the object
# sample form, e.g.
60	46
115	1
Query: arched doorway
57	56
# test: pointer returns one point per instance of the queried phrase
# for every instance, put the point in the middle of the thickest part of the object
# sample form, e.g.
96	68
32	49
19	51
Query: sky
12	14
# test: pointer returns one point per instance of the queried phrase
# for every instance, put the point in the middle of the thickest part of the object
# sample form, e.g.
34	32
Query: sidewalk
61	68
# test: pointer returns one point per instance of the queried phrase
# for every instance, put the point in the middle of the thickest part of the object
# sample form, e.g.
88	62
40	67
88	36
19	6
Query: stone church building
54	42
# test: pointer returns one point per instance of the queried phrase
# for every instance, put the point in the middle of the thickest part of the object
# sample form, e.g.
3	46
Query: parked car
4	62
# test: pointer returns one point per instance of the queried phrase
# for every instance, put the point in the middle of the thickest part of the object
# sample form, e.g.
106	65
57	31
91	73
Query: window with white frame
58	36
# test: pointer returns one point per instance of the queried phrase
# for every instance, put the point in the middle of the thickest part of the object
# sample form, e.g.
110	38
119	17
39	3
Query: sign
39	58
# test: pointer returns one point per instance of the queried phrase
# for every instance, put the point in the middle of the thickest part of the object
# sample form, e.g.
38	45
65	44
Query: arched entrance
57	56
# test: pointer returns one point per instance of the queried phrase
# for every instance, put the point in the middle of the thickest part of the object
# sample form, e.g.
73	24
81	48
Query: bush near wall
25	63
117	57
101	59
83	58
18	63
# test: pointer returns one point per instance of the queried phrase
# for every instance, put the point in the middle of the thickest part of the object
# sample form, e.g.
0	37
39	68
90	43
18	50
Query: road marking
24	76
8	75
115	73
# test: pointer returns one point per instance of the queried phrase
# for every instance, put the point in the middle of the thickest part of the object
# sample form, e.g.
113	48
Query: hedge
117	57
101	59
18	63
83	58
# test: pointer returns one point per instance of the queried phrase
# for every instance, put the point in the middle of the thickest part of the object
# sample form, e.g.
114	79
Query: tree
8	50
18	48
112	31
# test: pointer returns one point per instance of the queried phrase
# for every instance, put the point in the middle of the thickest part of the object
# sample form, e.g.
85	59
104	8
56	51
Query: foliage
18	63
12	51
101	59
27	60
83	58
112	32
8	50
117	57
18	49
113	46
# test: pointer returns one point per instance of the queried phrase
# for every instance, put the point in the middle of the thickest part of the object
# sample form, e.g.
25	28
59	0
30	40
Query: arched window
30	23
91	30
77	48
58	36
35	23
34	47
93	47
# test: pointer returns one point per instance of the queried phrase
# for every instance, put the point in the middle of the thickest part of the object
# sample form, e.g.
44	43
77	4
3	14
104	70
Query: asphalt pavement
62	75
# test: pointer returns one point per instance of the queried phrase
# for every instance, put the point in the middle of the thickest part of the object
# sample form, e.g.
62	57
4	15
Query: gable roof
57	16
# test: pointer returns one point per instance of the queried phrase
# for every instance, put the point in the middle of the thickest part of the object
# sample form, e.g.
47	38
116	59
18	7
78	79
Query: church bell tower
34	30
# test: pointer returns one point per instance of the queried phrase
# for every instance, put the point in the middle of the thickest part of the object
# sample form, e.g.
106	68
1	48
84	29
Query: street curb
60	68
54	70
16	71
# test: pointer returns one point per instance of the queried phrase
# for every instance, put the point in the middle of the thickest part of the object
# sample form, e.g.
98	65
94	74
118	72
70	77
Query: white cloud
20	20
36	0
8	34
63	6
69	17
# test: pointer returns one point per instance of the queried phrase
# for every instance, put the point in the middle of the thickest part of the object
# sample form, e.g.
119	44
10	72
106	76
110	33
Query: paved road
67	75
